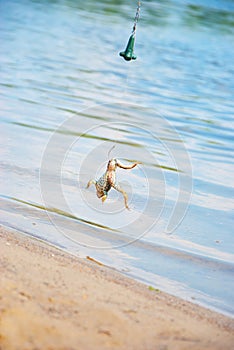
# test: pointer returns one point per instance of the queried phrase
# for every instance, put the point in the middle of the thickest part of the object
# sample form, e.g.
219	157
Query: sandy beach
52	300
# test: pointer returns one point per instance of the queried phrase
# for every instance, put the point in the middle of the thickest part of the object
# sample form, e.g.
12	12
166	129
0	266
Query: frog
108	180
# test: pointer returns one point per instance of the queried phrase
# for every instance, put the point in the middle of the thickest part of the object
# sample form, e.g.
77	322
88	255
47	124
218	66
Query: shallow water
68	99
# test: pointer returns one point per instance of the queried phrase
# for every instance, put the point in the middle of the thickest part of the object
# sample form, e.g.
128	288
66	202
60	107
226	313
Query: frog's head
112	164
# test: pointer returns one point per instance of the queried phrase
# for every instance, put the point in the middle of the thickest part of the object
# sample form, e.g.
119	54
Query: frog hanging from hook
108	180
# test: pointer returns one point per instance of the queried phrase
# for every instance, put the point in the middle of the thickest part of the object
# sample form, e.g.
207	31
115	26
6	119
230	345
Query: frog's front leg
91	182
127	166
119	189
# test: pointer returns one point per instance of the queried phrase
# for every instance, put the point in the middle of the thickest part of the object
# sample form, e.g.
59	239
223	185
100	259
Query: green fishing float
128	54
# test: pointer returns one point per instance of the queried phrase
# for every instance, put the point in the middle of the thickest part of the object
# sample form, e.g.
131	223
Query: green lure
128	54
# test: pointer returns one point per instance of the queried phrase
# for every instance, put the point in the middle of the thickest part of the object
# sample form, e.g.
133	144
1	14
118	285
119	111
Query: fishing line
128	54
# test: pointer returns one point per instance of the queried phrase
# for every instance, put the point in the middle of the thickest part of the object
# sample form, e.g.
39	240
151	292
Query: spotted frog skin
108	180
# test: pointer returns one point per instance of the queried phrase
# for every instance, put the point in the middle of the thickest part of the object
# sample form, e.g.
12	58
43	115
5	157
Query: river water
69	102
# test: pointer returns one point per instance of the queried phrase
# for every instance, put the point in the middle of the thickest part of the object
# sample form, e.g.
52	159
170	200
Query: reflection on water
64	85
215	18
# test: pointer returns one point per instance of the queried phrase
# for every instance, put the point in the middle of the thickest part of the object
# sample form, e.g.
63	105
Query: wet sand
52	300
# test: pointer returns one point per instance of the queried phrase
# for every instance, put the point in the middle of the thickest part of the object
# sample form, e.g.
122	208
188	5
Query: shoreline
51	299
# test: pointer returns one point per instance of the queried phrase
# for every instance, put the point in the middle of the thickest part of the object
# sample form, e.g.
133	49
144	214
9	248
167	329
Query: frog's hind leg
91	182
119	189
103	198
